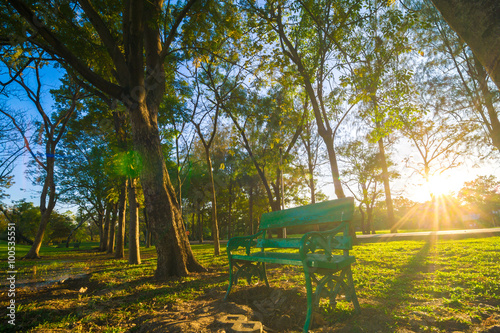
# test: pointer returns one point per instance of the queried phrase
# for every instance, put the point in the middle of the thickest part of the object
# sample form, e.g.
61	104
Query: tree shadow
400	288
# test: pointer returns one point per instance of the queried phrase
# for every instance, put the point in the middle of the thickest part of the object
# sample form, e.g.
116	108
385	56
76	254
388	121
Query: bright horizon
448	183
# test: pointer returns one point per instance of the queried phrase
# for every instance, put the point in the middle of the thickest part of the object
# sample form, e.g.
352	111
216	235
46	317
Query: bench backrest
340	210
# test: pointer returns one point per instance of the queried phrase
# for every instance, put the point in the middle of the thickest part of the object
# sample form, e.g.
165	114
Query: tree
85	179
311	145
216	99
477	23
59	227
25	215
129	164
363	176
381	78
52	129
312	38
440	145
465	89
267	125
135	47
483	196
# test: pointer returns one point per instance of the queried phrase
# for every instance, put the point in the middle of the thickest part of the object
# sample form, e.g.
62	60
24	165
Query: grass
449	285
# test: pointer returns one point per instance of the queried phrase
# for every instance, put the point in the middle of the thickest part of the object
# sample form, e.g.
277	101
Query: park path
423	235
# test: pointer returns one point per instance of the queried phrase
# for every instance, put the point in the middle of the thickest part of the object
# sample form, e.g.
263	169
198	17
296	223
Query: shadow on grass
102	305
400	288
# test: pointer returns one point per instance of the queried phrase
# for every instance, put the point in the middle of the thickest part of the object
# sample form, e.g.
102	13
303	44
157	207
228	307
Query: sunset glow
440	185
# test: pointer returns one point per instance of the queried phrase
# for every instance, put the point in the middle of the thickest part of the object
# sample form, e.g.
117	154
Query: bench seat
313	260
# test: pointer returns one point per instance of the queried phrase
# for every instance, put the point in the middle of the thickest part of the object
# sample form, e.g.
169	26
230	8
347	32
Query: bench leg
309	300
230	279
264	274
330	286
247	271
354	297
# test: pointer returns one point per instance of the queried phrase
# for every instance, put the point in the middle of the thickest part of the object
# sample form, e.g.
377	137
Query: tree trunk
134	256
363	228
477	23
215	226
387	188
48	189
200	223
332	158
120	233
112	224
250	209
148	229
494	123
193	223
175	257
369	220
230	208
105	235
100	226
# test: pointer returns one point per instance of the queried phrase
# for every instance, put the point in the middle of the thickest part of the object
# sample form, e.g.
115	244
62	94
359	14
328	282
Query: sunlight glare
440	185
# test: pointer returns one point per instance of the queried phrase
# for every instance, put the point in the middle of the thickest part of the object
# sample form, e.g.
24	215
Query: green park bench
315	251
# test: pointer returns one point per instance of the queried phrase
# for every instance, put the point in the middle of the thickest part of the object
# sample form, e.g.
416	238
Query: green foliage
59	228
482	195
26	216
382	77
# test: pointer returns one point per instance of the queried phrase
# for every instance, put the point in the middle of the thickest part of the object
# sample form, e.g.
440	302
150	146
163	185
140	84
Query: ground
406	287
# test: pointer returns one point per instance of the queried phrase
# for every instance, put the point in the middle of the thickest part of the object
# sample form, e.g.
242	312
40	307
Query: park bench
76	245
315	251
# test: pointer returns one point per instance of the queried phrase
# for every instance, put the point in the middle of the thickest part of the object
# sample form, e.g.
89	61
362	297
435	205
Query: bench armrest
324	240
242	241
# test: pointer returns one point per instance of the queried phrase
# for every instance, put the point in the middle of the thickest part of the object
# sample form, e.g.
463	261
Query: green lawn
403	286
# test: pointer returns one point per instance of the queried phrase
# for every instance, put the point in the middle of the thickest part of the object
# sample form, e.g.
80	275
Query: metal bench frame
331	273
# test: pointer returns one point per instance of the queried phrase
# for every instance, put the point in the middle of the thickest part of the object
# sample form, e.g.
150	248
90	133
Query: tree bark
200	223
230	210
148	229
175	257
105	235
215	225
112	224
494	123
387	188
49	189
120	233
360	208
100	227
134	256
477	23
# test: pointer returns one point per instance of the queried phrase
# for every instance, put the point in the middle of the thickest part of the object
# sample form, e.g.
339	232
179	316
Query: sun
440	185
